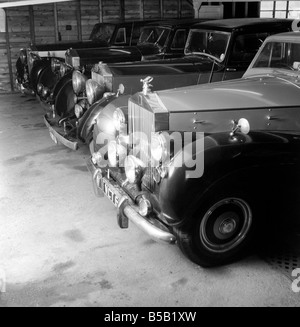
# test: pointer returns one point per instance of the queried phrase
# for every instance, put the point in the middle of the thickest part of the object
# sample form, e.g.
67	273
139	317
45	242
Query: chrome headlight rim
39	88
55	65
78	82
94	91
79	109
159	147
116	154
134	169
118	118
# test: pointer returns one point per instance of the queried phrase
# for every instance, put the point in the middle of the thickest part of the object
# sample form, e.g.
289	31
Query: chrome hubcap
225	225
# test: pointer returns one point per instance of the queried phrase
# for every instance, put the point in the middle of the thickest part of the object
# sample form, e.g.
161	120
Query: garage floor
60	245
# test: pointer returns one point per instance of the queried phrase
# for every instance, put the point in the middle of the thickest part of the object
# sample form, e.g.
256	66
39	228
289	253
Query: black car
164	39
34	59
215	51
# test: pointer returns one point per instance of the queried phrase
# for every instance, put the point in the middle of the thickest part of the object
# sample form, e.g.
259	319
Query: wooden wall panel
89	16
38	23
152	9
111	10
44	27
66	14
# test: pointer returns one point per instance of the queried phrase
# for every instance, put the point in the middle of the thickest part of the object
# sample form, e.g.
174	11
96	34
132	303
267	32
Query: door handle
231	70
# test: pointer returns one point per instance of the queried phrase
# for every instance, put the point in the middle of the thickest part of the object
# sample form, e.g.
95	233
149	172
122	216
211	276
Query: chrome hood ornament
146	84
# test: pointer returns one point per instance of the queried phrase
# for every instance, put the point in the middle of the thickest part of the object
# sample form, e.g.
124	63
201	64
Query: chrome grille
141	124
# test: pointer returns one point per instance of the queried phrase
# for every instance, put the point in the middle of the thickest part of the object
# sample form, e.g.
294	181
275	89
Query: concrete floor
60	245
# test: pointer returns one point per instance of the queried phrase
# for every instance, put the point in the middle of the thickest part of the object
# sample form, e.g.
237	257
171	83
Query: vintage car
34	59
225	49
164	39
208	167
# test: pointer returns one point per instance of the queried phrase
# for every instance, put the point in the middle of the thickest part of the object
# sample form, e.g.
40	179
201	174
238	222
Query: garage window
280	9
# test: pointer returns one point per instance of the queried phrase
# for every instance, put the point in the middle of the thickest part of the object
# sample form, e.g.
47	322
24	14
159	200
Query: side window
136	35
121	36
245	47
179	40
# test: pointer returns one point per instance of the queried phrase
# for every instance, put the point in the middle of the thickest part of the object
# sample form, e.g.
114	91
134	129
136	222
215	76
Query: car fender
37	70
89	119
47	78
227	163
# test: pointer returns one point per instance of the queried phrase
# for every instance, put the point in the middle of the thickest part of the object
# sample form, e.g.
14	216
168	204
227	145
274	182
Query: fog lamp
79	109
159	150
78	81
55	65
94	91
116	154
39	88
97	158
145	207
46	92
134	169
118	118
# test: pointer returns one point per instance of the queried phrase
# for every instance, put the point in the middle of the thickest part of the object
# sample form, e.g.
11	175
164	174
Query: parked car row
203	166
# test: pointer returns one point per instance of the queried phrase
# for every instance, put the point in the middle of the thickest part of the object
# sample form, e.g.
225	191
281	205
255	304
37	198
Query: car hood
68	45
258	92
109	55
162	67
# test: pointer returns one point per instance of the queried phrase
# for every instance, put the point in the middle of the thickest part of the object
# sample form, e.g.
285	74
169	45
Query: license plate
110	194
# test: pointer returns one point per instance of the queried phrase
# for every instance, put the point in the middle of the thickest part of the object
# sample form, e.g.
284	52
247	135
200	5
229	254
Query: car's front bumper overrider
59	138
126	208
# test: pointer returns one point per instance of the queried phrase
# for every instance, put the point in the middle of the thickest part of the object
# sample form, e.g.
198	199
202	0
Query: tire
221	230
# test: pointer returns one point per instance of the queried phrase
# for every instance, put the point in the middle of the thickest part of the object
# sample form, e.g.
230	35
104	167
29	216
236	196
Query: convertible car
36	58
208	167
215	51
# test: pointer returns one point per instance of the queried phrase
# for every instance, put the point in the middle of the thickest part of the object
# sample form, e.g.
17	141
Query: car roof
178	22
236	23
288	36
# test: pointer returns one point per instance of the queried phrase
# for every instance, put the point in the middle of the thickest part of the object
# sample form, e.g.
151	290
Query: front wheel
219	232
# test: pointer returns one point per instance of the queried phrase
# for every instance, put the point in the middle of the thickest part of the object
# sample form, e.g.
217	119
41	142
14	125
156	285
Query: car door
243	49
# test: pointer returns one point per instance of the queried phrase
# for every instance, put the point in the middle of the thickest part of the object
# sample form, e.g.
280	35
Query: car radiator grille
141	124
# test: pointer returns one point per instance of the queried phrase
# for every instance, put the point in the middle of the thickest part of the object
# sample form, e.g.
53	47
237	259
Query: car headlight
39	88
23	56
79	109
94	91
45	93
134	169
159	147
78	82
116	154
119	118
55	65
62	70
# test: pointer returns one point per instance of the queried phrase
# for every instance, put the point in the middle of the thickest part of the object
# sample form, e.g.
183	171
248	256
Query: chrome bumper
127	209
59	138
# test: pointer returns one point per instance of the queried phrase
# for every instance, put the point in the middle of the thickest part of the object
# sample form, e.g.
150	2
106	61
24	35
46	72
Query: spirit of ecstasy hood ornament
146	84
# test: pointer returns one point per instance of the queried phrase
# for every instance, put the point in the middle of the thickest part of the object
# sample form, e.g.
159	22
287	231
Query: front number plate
110	194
